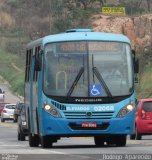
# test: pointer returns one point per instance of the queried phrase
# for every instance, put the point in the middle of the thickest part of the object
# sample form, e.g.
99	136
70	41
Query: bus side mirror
38	61
135	62
136	65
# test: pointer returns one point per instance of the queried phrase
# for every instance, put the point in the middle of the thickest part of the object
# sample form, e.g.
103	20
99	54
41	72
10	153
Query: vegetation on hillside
36	18
12	70
26	20
144	86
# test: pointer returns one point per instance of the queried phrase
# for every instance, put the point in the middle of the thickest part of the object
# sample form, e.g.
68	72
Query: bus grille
59	106
84	115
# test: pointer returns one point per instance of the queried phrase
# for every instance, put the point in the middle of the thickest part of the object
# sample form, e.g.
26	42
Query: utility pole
51	19
20	30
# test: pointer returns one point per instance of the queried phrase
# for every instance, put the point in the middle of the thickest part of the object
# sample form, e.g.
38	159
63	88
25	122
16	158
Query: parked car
2	104
143	119
22	125
2	95
17	110
8	112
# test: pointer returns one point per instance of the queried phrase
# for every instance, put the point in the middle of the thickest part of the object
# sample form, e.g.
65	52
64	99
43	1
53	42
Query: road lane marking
10	145
55	152
24	150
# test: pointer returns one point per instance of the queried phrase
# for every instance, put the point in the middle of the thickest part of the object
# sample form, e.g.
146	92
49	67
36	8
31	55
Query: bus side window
28	64
26	69
35	76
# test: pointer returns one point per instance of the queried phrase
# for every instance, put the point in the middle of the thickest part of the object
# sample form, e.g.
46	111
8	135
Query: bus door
32	97
35	92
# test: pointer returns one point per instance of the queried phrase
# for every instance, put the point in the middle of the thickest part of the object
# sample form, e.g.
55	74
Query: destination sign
72	47
91	47
104	46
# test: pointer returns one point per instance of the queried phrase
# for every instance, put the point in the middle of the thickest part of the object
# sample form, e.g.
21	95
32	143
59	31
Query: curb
8	125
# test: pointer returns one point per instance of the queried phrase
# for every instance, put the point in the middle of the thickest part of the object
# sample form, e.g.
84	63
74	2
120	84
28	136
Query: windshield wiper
75	81
99	77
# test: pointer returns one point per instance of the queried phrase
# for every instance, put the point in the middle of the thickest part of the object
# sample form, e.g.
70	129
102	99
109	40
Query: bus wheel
110	141
121	140
99	141
132	136
33	140
46	142
21	135
18	136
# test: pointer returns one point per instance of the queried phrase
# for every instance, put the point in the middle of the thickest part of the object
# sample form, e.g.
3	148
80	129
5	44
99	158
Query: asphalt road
66	148
9	96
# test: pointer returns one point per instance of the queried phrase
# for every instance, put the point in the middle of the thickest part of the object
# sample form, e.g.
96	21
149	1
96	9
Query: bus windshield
87	69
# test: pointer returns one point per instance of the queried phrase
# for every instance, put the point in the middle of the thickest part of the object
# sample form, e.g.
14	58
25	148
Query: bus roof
72	35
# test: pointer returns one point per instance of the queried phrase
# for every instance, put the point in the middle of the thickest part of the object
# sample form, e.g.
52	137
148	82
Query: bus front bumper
90	127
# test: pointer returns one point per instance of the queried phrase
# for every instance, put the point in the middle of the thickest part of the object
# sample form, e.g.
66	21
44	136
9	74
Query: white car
8	112
2	95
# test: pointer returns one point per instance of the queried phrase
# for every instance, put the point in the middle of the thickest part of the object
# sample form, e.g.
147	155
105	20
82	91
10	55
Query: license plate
89	124
11	116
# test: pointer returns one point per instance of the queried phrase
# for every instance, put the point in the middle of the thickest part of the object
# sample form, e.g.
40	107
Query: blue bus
80	83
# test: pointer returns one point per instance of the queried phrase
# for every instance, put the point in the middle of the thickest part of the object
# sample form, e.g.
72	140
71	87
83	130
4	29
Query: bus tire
46	142
33	140
132	137
18	136
110	140
99	141
121	140
21	136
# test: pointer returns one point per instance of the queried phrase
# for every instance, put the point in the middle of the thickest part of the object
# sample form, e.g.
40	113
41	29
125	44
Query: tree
148	5
65	14
132	6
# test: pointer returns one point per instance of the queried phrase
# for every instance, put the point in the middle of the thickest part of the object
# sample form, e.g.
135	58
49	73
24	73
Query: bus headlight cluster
125	110
52	110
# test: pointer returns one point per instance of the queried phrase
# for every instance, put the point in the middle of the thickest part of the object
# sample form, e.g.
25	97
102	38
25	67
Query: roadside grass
144	87
12	70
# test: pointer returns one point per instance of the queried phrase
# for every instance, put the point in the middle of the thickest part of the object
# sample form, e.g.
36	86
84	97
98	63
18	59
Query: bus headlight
125	110
47	107
52	110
